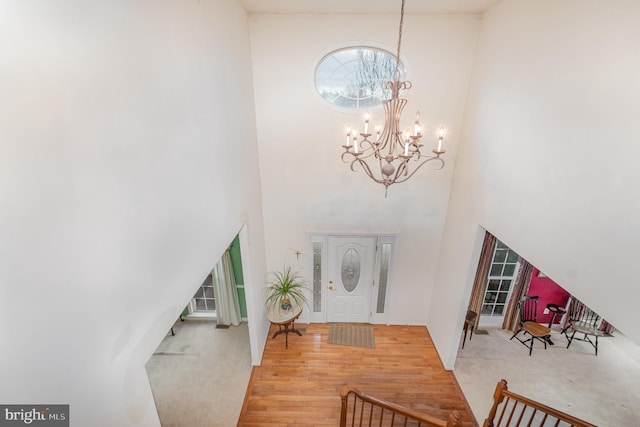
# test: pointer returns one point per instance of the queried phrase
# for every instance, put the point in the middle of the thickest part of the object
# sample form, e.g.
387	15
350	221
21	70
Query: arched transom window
354	77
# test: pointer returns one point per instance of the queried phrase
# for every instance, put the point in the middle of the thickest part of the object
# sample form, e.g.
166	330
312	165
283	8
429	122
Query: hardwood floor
299	386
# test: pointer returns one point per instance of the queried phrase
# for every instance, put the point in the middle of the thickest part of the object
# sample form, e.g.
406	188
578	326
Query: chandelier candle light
391	149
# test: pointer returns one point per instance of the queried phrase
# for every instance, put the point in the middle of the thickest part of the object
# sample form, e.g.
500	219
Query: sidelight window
318	248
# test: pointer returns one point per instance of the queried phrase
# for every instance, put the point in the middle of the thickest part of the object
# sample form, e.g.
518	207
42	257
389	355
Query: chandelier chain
400	37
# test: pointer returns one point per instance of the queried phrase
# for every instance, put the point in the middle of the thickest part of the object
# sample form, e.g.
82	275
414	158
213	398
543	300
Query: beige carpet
603	390
349	334
199	376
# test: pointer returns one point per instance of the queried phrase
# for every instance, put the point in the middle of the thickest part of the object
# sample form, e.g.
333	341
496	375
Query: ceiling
366	6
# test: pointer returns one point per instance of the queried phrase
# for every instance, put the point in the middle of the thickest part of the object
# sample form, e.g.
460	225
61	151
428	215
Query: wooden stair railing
358	409
517	410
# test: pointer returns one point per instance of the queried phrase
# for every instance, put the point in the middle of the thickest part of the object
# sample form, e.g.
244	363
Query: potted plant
284	287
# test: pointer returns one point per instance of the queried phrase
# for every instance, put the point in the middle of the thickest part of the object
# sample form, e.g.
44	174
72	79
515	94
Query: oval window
350	270
354	77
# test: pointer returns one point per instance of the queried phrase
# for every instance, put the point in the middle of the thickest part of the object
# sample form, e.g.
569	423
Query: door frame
319	314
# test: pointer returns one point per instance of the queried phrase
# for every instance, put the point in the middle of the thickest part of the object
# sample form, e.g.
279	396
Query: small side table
556	310
285	319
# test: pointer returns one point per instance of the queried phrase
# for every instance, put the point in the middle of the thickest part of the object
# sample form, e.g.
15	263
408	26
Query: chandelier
385	155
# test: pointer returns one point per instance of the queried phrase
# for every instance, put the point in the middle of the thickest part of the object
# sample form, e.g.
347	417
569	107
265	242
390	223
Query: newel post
498	397
344	394
454	420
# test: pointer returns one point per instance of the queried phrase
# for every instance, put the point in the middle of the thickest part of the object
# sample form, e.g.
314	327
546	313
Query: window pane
200	305
502	297
512	257
498	310
384	275
208	292
211	304
509	270
490	297
500	255
496	270
487	309
493	285
199	293
505	286
317	277
350	270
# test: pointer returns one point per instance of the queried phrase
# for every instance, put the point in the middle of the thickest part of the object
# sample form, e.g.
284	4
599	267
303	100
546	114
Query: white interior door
351	265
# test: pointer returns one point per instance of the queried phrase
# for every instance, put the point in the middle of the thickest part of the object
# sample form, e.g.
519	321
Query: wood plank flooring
300	386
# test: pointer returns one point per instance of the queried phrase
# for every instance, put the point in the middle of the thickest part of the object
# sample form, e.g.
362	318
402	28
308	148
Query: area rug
349	334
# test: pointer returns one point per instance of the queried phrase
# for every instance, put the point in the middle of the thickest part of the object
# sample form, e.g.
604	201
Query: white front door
351	266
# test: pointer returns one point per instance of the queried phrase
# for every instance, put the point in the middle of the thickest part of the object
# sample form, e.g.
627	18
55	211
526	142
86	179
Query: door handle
331	288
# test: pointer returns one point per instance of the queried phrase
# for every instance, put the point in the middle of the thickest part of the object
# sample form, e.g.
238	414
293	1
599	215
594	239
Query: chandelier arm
370	150
402	169
371	153
354	157
363	154
367	170
429	159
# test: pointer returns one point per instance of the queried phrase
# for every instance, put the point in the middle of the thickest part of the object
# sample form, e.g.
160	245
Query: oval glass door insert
350	270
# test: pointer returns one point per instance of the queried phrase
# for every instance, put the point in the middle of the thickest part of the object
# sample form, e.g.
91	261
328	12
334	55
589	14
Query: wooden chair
469	325
529	323
584	321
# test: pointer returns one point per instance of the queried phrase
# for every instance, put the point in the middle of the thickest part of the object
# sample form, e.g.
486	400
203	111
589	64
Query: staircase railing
508	410
358	409
513	410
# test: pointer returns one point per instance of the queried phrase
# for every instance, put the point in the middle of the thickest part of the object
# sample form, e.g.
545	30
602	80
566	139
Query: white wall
300	136
548	157
128	163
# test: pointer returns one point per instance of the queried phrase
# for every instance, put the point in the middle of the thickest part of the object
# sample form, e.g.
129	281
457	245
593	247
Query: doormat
481	332
222	326
354	335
